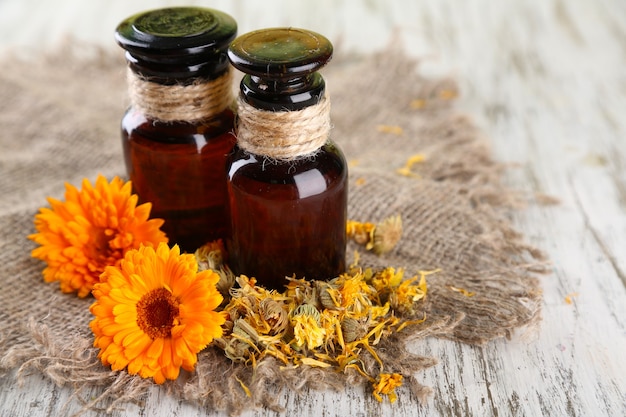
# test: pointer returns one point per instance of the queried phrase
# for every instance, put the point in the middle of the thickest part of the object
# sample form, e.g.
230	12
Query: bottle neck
184	69
283	94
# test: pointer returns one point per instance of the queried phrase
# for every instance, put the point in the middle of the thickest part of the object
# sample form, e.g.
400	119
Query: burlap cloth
59	120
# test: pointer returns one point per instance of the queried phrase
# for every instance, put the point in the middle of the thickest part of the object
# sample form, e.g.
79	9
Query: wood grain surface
546	81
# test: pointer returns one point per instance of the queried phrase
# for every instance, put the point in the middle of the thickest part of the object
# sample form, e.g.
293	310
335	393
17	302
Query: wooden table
546	81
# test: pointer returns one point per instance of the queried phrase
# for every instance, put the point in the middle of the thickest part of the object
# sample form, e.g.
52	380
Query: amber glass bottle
288	212
177	132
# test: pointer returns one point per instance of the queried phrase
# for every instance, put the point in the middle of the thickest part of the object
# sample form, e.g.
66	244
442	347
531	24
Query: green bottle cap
280	53
177	42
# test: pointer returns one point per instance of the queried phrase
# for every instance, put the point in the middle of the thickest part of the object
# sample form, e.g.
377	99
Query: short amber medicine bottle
177	131
287	181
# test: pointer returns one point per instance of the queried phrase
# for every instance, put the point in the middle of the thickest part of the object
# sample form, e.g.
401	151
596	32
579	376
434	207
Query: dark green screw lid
280	66
280	52
177	43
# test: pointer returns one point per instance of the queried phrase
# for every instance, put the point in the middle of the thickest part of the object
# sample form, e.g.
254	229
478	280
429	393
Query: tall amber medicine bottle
287	181
176	133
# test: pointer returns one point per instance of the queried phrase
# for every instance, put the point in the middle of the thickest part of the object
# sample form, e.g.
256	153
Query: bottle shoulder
322	174
329	160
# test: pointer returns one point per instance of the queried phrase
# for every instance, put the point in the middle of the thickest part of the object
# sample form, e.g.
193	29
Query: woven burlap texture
60	123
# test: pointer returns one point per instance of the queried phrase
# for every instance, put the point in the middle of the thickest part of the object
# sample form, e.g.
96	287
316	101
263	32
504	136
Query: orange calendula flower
91	229
155	312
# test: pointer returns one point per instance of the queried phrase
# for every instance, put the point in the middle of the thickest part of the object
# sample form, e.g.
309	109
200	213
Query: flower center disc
157	312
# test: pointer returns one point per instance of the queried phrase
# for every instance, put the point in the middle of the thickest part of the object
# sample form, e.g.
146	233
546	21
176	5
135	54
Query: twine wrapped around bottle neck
283	135
197	101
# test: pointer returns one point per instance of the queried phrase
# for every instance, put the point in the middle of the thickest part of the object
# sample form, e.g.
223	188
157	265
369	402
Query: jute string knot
169	103
283	135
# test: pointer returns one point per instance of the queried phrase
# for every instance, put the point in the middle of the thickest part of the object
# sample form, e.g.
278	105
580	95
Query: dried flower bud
361	233
329	297
302	291
273	313
325	323
306	327
380	238
212	256
353	329
387	234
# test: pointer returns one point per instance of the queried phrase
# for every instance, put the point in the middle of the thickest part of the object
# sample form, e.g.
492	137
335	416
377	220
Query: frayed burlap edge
216	383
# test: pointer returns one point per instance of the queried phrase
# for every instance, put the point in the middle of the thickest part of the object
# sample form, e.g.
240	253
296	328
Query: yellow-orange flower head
92	229
155	312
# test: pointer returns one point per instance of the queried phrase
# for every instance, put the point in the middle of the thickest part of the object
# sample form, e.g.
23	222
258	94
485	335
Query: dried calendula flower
418	103
462	291
354	329
569	297
394	130
354	294
306	327
379	238
361	233
301	291
387	279
386	384
257	323
447	94
442	94
213	256
274	314
402	294
336	324
406	170
329	296
403	297
241	341
387	234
